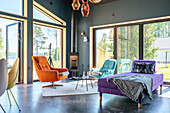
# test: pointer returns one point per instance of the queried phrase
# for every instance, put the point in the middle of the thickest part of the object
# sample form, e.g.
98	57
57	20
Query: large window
49	39
128	47
104	45
45	38
12	6
133	42
157	46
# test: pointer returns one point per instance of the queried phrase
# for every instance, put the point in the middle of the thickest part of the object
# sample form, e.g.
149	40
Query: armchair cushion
44	66
107	69
43	63
49	75
107	65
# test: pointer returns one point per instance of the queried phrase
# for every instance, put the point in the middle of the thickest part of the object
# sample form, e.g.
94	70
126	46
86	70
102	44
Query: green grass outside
165	69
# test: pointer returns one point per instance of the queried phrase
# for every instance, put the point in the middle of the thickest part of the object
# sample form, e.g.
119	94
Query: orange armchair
46	73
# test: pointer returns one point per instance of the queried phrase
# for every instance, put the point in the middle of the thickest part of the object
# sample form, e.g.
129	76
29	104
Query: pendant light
76	4
95	1
85	9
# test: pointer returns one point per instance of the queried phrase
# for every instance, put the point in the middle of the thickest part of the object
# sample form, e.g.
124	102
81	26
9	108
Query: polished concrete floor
30	100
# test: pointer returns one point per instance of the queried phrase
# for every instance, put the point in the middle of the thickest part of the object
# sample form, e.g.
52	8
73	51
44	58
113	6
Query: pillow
143	67
138	67
150	67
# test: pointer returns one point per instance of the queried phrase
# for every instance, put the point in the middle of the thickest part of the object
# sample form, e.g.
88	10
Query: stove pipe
74	32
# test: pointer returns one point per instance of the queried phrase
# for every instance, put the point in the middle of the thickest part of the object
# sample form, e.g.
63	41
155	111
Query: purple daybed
109	87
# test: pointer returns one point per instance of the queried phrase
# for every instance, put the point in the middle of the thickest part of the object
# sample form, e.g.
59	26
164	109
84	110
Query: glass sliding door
157	46
104	39
14	46
11	43
43	39
128	47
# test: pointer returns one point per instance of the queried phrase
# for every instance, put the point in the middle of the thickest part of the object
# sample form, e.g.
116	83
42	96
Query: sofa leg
139	102
161	87
100	96
139	105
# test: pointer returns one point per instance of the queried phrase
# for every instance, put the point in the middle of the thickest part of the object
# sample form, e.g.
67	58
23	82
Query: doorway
11	43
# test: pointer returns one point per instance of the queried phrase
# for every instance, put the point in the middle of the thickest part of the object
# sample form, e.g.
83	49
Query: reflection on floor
30	99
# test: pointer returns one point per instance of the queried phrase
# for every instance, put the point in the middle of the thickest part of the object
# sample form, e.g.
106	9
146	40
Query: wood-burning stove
74	64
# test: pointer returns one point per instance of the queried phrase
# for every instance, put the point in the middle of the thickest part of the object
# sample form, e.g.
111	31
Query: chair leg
15	100
91	83
9	98
140	102
77	85
2	108
52	85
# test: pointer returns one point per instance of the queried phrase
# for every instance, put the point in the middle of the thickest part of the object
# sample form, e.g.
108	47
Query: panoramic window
128	47
47	41
157	46
104	46
12	6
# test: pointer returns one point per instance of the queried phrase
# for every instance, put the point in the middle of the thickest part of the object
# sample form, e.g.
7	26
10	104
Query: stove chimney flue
74	32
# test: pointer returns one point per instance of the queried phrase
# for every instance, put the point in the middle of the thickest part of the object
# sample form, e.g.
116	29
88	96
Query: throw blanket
134	85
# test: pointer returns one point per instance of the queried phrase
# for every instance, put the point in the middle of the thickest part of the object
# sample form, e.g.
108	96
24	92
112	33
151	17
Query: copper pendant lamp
85	9
95	1
76	4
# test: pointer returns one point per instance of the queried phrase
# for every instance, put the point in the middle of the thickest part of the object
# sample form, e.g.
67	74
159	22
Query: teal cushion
108	65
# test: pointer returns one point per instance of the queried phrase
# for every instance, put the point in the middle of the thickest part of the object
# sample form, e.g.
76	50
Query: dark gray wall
64	12
124	10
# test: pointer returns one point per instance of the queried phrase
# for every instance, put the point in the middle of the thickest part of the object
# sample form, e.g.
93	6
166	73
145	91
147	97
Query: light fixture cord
83	0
